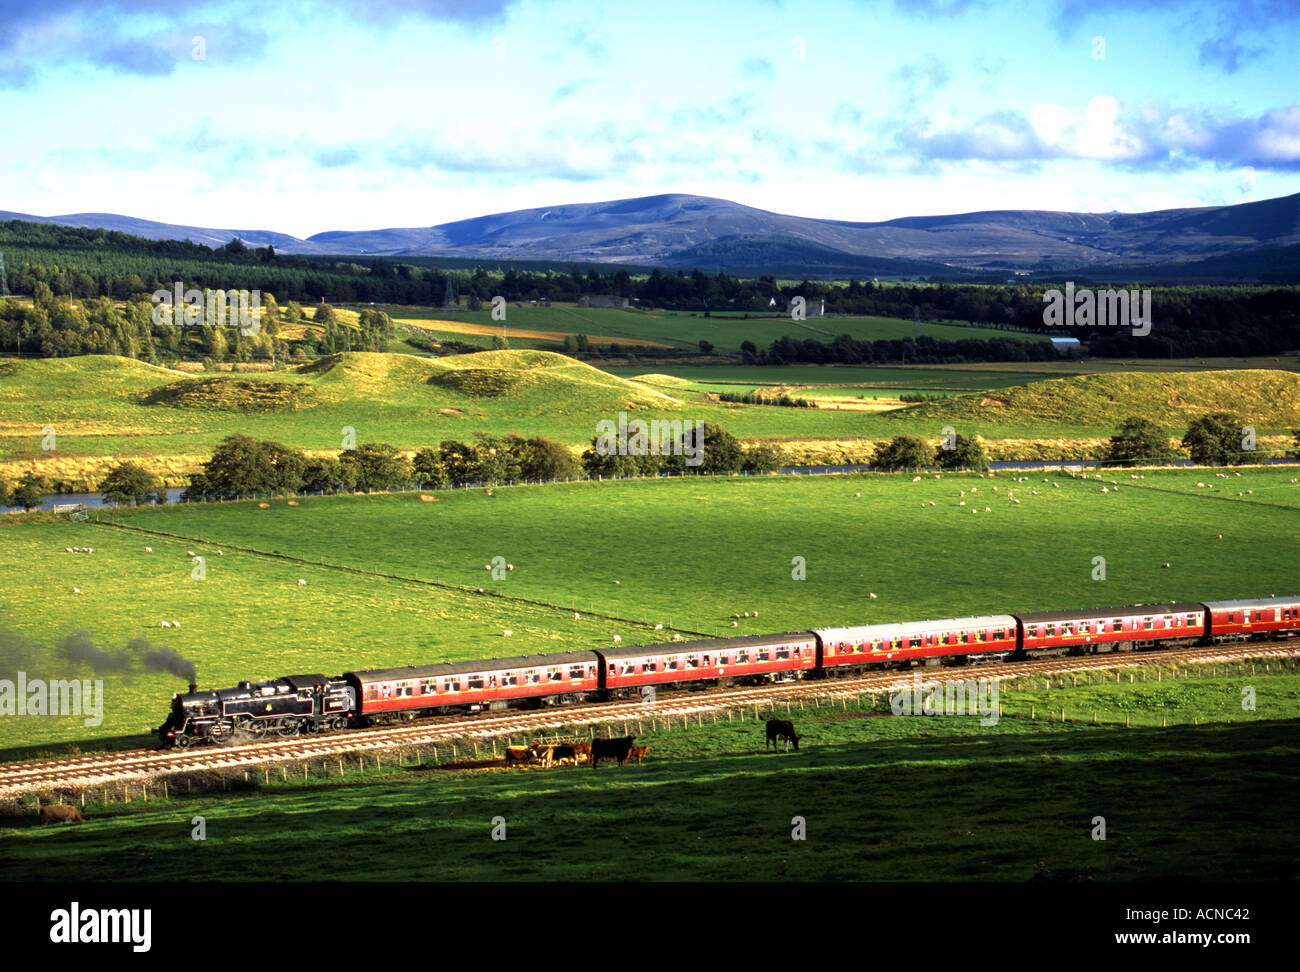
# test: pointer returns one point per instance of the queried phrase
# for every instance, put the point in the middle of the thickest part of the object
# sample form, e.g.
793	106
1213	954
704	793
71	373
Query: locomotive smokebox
194	686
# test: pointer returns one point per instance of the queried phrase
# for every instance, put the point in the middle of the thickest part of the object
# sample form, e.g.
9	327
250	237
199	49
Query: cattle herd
576	753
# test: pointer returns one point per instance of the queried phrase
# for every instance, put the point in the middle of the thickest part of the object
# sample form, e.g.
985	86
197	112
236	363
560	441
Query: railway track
73	773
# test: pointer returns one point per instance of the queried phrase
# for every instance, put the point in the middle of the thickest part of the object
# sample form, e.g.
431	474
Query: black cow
619	749
781	729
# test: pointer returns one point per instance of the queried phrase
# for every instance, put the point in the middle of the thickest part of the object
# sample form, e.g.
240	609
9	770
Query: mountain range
685	231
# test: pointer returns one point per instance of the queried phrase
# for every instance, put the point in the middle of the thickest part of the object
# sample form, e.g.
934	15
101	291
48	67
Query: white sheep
67	550
510	566
301	582
859	494
1056	485
962	503
176	624
164	624
617	583
487	566
988	509
1163	565
932	502
220	554
618	637
677	636
190	553
755	614
76	590
872	595
576	616
148	549
507	633
659	627
1105	489
735	624
90	550
916	479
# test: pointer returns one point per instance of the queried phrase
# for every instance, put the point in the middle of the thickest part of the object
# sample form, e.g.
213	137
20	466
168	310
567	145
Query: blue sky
305	116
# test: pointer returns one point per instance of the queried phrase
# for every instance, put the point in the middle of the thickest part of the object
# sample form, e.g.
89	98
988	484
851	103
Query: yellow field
486	330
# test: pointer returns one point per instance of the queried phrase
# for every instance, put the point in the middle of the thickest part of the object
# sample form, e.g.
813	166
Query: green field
687	553
878	797
684	330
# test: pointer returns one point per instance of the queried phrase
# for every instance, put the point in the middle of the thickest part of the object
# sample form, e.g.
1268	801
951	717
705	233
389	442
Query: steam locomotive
298	704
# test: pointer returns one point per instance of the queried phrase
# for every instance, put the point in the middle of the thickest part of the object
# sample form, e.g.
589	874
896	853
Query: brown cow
639	752
581	752
565	751
58	813
518	756
543	754
619	749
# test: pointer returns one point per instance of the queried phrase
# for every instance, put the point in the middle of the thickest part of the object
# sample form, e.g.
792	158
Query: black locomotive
287	706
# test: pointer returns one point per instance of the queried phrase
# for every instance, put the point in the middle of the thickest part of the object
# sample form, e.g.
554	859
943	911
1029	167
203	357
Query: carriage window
650	666
670	664
454	684
384	690
555	674
722	660
1049	630
1146	624
875	644
742	656
509	678
404	690
782	653
372	692
428	686
1117	624
897	643
629	668
692	661
577	672
764	655
706	661
474	682
1085	627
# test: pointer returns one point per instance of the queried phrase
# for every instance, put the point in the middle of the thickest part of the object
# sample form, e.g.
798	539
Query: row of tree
1189	321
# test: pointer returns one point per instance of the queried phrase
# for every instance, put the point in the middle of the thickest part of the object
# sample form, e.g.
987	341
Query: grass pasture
881	798
687	553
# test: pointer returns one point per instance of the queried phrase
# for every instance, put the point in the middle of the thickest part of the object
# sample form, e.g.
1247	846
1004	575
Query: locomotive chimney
194	687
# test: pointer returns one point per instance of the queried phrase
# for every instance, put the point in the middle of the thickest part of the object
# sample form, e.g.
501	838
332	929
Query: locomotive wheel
288	728
183	742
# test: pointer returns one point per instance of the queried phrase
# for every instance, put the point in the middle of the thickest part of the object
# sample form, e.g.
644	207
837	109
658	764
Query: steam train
298	704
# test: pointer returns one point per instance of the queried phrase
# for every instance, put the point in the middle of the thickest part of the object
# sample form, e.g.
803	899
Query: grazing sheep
190	553
916	479
974	489
1238	492
872	595
1250	492
1056	485
148	549
659	627
746	614
487	566
988	509
859	494
76	590
1234	472
755	614
576	616
510	566
617	583
618	637
734	616
962	493
1016	501
90	550
677	636
164	624
1105	489
301	582
1218	536
67	550
480	590
1163	565
507	633
220	554
176	624
735	624
932	502
962	503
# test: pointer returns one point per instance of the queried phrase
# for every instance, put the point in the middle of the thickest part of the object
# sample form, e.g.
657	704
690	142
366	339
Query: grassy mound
1265	398
484	382
234	394
662	381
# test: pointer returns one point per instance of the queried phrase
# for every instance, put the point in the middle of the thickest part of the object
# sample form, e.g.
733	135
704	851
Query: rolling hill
678	230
